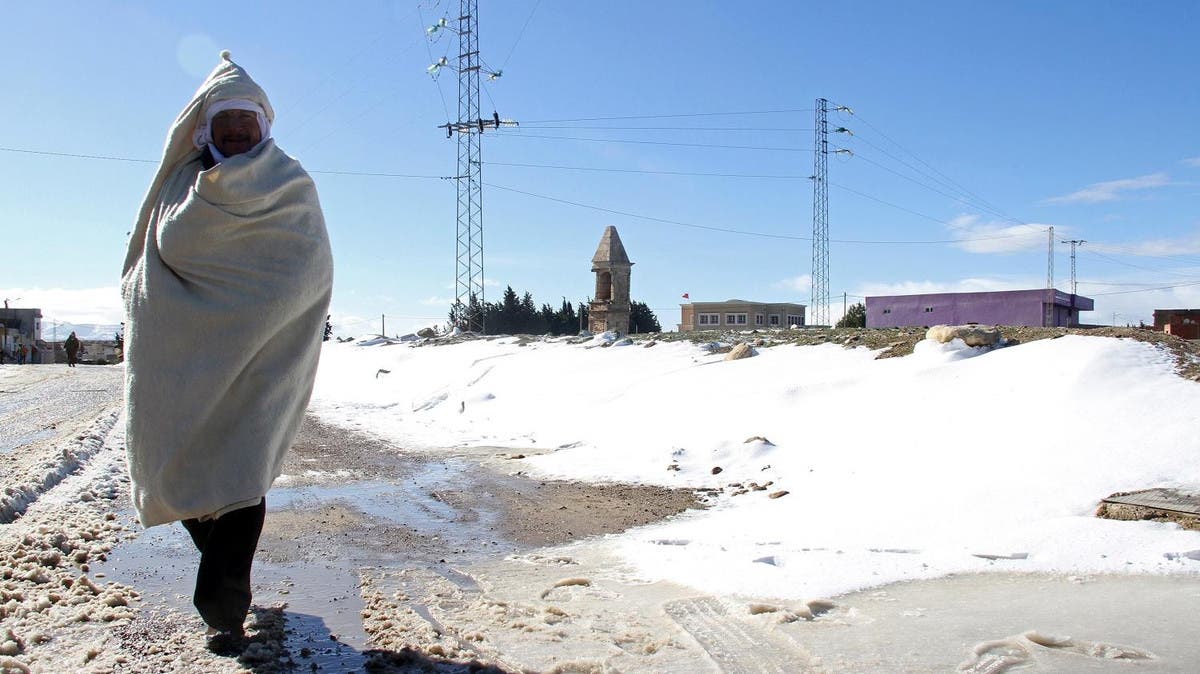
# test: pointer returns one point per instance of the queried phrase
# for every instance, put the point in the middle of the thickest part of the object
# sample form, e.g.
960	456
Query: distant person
71	346
226	287
22	354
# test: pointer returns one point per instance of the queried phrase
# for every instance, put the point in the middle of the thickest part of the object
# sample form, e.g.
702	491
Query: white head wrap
202	136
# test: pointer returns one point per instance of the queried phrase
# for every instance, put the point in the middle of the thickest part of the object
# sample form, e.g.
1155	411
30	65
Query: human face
235	131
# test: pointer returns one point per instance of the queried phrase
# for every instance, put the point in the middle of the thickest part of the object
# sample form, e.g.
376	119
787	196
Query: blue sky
977	125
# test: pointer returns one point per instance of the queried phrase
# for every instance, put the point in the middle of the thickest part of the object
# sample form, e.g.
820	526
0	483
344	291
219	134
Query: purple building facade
1034	308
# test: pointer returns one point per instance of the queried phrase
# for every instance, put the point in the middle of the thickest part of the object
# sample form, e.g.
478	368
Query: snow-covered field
951	459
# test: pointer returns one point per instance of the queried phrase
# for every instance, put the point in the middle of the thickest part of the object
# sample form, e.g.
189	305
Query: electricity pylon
818	312
468	279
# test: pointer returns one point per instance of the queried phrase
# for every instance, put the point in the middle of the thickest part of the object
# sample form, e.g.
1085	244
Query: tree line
514	315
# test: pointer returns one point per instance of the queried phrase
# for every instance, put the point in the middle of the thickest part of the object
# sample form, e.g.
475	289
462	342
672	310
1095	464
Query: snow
949	460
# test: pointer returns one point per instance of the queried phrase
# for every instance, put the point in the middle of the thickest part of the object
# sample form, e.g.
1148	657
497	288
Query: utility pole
469	294
1048	320
819	310
1073	242
383	325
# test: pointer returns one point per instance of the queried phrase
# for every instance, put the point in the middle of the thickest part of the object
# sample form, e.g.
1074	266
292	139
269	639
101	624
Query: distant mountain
84	331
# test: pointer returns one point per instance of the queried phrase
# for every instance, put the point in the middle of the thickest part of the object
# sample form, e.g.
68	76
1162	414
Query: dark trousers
226	546
71	359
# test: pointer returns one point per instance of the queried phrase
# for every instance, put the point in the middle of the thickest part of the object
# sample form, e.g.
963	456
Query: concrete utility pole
1073	242
469	294
1048	320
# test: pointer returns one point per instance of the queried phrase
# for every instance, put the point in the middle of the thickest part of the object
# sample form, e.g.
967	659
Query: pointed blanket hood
226	284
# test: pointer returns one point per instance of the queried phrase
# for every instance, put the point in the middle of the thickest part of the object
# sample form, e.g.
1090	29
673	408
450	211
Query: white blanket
226	284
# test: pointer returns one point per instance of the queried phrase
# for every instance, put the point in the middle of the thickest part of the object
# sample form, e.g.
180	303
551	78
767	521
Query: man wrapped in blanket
226	287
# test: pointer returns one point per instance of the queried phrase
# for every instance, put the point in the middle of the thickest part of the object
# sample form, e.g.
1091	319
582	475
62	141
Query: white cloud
1151	247
1111	190
100	306
1115	305
800	284
967	285
978	236
435	301
1194	161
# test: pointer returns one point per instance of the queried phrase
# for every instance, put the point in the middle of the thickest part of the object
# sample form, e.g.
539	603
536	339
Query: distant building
1033	308
611	308
1183	323
23	327
739	315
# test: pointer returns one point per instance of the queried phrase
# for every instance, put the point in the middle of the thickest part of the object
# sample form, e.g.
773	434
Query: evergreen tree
328	330
548	320
566	321
856	317
642	319
510	313
529	321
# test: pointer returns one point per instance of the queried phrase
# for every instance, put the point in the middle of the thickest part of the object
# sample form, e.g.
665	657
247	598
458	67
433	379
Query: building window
774	319
709	319
735	319
793	319
759	319
887	311
928	310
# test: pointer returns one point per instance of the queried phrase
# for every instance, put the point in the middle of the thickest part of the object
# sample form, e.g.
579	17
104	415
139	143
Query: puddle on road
9	444
427	502
403	524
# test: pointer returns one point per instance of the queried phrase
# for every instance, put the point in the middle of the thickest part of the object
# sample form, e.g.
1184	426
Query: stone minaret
610	308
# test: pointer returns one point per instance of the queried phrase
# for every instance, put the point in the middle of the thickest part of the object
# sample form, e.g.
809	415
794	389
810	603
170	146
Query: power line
945	194
914	156
753	176
1147	290
728	230
967	198
1136	266
647	217
922	215
334	74
379	174
650	172
78	156
1102	283
652	142
771	129
382	174
519	35
1183	257
155	161
387	94
678	115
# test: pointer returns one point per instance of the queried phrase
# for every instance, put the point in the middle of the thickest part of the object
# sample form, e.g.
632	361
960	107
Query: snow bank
952	459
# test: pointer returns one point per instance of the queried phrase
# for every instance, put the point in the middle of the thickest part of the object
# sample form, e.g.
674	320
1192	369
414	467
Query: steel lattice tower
819	310
469	297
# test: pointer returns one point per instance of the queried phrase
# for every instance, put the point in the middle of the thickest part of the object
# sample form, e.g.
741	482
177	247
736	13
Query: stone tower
609	309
